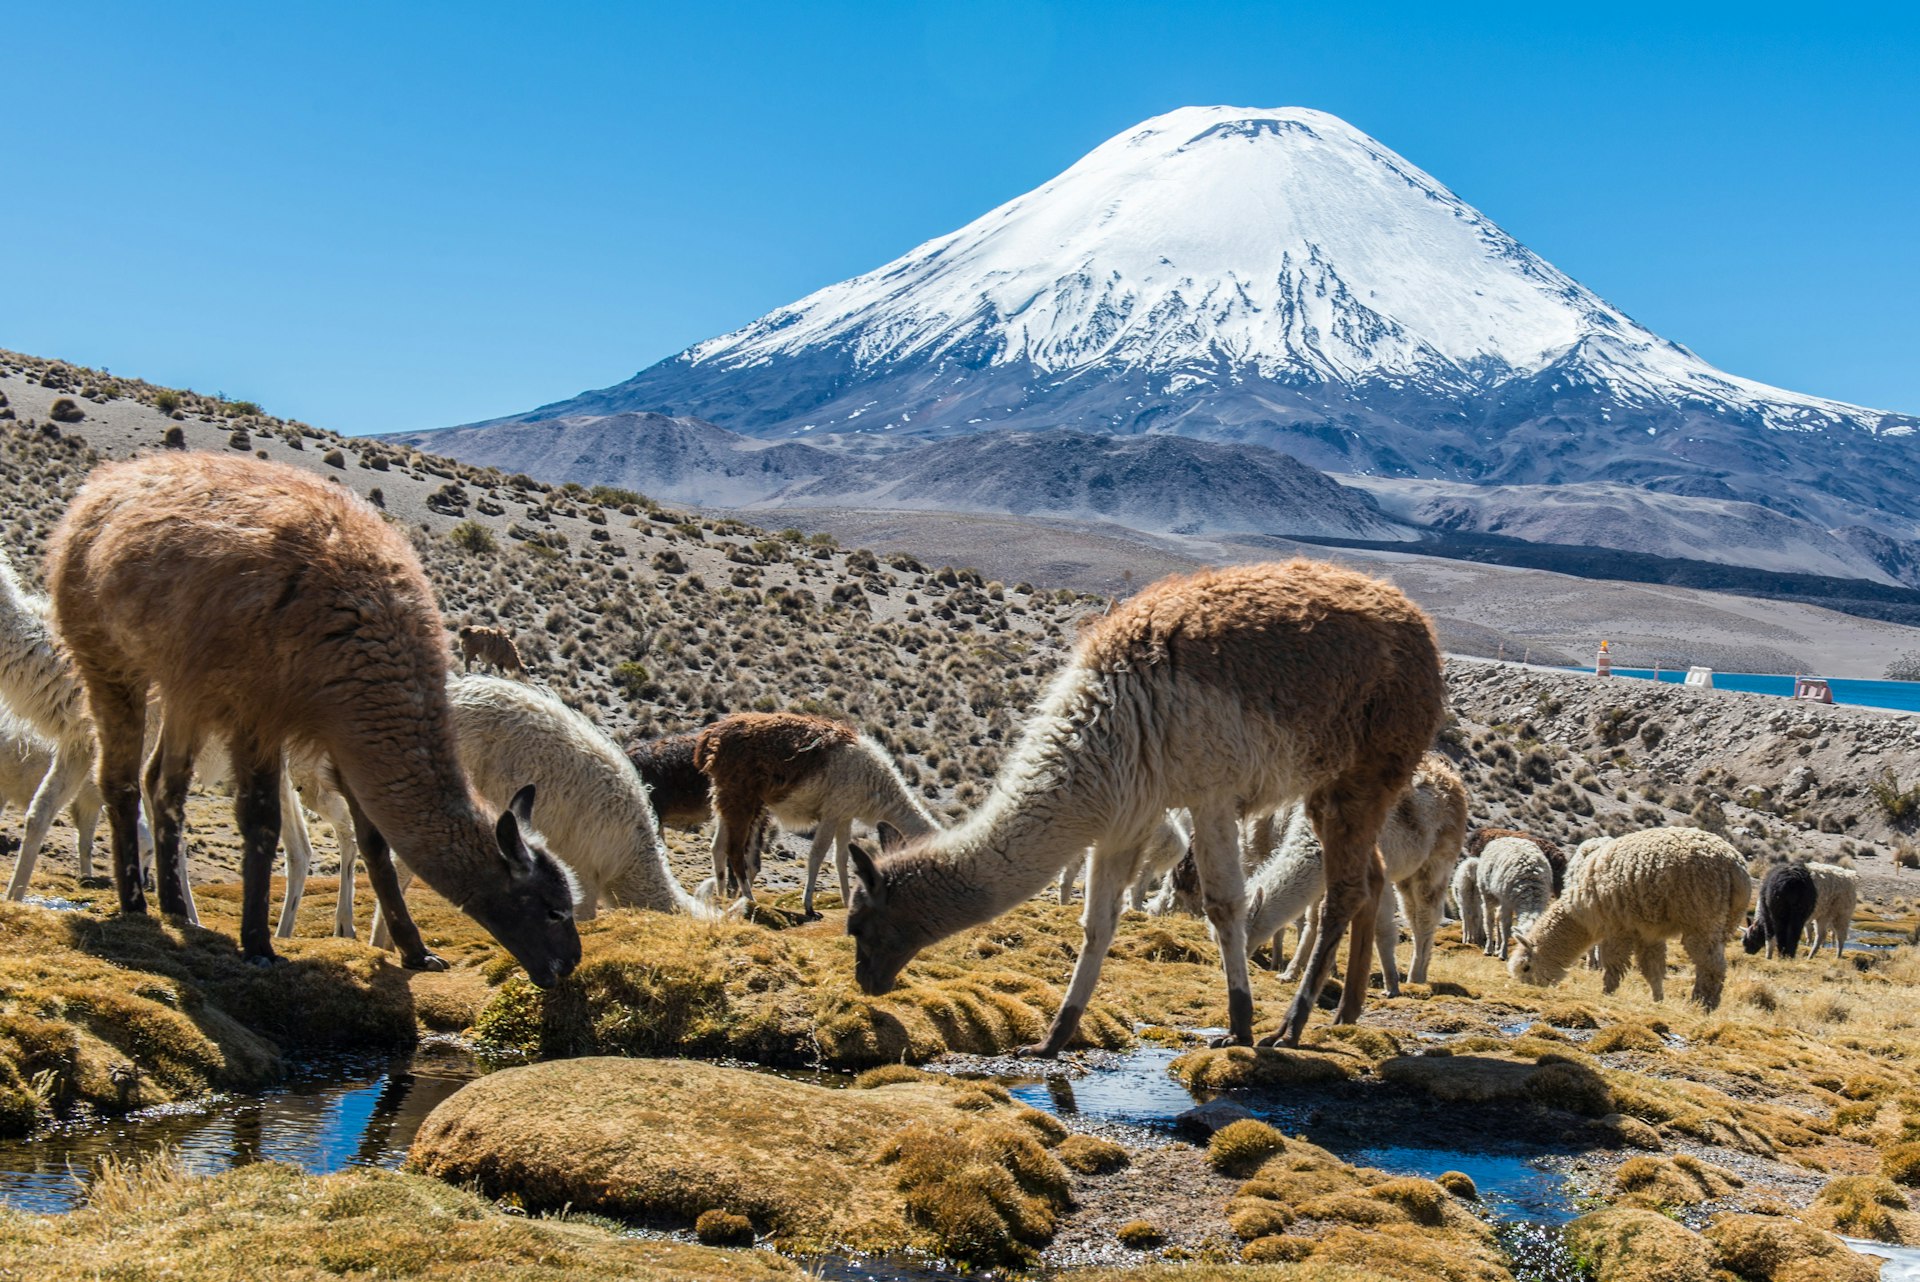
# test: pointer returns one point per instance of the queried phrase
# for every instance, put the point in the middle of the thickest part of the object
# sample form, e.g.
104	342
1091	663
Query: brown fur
273	609
493	647
1556	858
755	759
1331	678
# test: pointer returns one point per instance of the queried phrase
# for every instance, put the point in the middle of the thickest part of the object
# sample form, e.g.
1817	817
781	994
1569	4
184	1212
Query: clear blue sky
412	215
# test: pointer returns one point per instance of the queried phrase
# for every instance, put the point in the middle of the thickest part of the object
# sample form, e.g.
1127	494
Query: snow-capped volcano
1280	278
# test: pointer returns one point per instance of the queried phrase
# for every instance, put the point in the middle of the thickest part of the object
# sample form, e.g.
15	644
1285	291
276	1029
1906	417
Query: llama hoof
810	915
426	961
1035	1050
348	933
262	961
1226	1040
96	883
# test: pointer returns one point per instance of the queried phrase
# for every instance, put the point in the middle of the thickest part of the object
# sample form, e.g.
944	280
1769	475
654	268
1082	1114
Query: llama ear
890	837
521	807
868	873
513	847
1257	902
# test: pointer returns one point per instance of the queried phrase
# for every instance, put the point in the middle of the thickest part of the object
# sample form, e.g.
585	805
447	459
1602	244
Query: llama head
1754	938
526	900
1526	965
885	938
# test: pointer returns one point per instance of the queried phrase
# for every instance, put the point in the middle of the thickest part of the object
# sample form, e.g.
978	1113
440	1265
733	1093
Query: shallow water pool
362	1114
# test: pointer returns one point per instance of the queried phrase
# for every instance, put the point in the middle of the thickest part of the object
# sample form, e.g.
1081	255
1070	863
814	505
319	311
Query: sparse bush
174	439
1139	1235
66	410
471	536
166	400
1899	804
334	458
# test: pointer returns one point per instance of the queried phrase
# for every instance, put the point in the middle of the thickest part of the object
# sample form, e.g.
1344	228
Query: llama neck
893	802
1044	812
408	779
1559	938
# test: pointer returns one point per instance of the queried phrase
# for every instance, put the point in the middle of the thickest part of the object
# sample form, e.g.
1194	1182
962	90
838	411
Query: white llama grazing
595	817
25	759
1836	894
1287	886
1466	898
1419	844
40	688
1631	897
1231	693
1516	885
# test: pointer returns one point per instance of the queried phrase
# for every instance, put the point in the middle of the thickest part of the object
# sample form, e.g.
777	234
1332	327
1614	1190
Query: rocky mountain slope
1158	483
1277	277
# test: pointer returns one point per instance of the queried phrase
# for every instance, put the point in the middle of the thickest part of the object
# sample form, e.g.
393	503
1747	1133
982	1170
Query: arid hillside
655	620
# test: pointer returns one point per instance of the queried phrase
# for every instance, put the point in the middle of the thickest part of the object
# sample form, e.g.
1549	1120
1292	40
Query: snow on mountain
1278	278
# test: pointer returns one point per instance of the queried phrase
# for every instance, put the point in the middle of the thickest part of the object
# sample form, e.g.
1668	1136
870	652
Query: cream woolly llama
1230	693
1632	896
271	609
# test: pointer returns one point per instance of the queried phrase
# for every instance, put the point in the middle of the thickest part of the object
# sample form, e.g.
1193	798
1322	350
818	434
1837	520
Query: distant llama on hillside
274	610
1230	693
494	648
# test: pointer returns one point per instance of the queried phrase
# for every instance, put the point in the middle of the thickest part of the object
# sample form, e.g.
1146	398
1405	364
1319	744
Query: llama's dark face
1755	938
529	908
883	943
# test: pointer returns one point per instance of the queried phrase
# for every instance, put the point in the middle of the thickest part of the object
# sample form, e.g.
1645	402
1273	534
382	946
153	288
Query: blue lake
1903	696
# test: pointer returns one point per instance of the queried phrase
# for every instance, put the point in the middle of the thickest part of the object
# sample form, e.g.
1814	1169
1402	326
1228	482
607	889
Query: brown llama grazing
1556	858
494	647
272	610
804	772
681	792
1229	692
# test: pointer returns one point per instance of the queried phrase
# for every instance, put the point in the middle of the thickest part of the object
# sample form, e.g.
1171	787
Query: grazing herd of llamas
1250	744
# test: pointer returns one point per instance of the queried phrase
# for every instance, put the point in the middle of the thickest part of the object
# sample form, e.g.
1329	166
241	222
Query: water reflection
364	1115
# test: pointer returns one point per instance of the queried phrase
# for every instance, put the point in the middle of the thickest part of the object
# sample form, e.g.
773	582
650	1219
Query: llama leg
1840	937
816	851
1066	885
1303	946
293	831
1347	818
378	936
1386	938
387	890
169	772
1709	956
63	780
256	808
86	819
1101	917
1223	897
1360	948
1652	955
1616	954
334	807
1425	894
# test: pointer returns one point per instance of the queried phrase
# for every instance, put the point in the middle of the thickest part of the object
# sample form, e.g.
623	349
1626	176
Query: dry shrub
1239	1148
1231	1067
1628	1244
1090	1154
986	1197
1625	1037
723	1228
1139	1235
1763	1249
